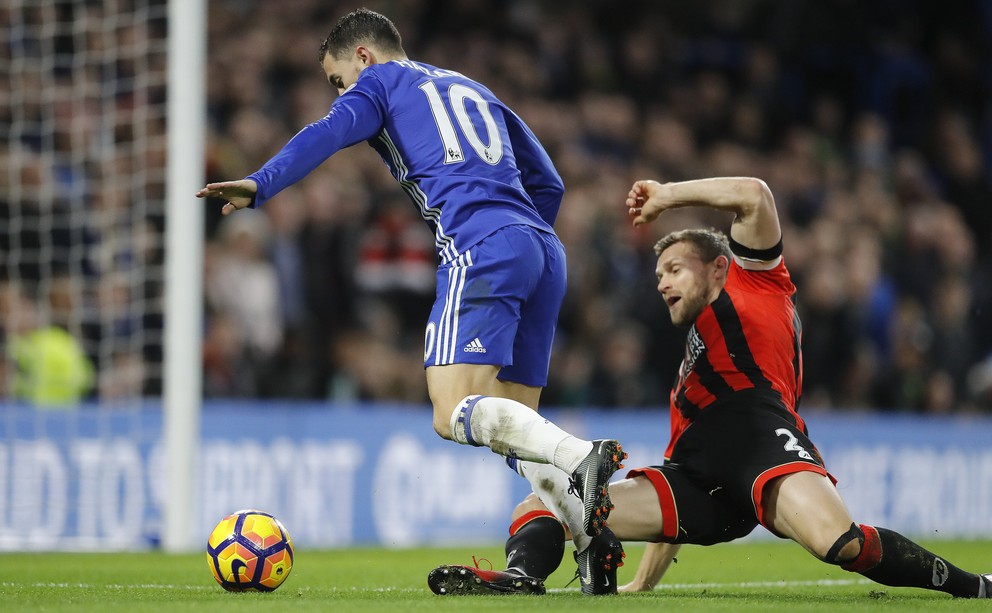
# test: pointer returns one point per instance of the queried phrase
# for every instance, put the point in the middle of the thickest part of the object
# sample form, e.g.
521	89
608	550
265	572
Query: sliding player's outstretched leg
889	558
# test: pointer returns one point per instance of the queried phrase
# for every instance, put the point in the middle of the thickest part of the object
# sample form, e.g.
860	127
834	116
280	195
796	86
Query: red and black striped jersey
744	345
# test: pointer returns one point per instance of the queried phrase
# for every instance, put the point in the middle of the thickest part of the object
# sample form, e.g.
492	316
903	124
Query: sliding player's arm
755	226
656	560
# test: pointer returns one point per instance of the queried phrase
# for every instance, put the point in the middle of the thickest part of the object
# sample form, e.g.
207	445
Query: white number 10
457	93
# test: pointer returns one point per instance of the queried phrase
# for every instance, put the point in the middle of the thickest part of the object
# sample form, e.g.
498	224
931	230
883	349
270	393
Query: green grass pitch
754	576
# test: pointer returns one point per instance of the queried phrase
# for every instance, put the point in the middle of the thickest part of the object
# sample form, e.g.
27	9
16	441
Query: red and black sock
889	558
536	545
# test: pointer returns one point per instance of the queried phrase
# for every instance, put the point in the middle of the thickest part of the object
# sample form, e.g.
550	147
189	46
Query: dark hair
709	244
358	27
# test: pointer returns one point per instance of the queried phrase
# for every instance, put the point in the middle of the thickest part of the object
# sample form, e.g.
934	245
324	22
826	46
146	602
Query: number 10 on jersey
457	95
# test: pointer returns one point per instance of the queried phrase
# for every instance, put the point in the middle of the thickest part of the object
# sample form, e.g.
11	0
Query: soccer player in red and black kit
739	453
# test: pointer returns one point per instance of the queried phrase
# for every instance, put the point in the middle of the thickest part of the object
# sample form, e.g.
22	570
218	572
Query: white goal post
102	148
186	112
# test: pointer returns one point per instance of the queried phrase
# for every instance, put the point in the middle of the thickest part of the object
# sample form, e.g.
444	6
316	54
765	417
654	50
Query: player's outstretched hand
645	201
239	194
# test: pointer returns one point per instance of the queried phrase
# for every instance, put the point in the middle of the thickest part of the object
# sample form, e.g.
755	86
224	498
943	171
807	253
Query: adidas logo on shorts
475	346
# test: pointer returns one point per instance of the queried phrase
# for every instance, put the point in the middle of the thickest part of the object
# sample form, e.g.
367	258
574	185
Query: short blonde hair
708	243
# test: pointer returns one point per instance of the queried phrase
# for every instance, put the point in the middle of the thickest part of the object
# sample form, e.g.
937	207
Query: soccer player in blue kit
490	194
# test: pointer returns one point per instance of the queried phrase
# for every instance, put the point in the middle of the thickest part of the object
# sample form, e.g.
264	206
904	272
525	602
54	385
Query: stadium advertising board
364	475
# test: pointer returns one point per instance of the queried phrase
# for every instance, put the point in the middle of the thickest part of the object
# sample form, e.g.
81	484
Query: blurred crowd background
871	121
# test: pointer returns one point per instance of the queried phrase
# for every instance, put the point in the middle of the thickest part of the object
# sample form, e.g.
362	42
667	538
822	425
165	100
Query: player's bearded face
692	302
685	282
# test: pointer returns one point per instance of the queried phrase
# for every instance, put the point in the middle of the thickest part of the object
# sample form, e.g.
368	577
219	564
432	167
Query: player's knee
846	548
442	424
533	505
453	421
442	415
527	505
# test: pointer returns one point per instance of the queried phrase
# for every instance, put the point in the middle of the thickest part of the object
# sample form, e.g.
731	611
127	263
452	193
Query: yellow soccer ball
250	551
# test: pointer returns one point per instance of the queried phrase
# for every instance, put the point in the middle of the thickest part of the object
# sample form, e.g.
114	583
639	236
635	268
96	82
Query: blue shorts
498	303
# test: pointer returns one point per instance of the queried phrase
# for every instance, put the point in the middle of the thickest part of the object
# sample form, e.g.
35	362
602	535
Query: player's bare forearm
657	558
756	224
239	194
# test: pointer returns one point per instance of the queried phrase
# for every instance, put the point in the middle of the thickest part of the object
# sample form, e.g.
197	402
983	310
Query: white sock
551	486
512	429
570	452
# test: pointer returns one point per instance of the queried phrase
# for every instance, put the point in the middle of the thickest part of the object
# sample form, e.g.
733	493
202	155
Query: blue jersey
470	165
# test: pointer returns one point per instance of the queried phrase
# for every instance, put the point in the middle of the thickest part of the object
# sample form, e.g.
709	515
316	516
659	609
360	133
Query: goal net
87	458
82	194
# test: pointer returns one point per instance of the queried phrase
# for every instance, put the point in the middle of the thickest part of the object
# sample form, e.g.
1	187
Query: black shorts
711	488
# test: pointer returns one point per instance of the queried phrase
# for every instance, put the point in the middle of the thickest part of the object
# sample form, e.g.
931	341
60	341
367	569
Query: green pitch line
762	576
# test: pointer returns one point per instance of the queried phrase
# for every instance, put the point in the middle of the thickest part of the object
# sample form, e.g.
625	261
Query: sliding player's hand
239	194
645	202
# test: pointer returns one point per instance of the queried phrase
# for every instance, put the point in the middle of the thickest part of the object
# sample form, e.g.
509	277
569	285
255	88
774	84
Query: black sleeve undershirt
748	253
